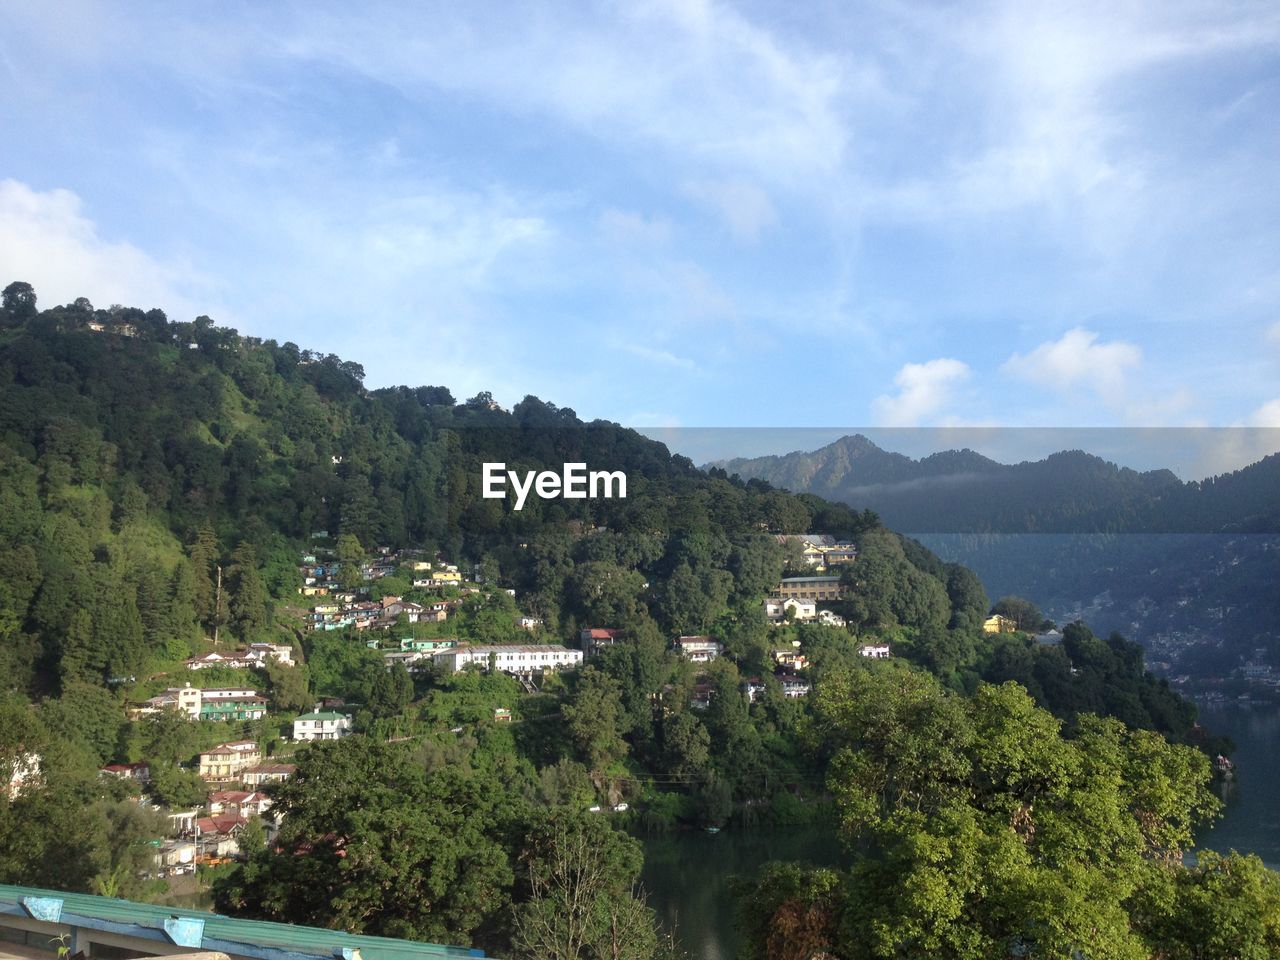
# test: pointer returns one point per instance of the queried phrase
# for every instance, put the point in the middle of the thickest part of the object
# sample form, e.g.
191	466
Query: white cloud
1267	415
696	78
924	389
744	207
627	228
657	355
461	237
1161	408
423	267
1060	124
1273	334
47	241
1078	358
1218	450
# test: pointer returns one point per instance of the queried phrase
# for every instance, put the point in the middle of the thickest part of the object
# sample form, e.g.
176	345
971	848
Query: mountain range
961	491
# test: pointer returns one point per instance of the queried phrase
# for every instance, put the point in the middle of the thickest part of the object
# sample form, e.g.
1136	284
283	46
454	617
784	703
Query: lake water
1251	820
688	875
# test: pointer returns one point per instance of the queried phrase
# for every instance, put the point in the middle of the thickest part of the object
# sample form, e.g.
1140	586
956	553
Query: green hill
161	483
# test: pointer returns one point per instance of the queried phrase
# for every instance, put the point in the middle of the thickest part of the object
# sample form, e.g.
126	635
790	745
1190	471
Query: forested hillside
134	465
167	487
140	456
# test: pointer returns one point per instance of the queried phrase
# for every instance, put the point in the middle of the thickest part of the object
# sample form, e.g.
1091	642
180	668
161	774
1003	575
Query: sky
681	214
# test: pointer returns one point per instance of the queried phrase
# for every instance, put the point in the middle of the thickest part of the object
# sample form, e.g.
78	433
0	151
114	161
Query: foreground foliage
385	839
976	829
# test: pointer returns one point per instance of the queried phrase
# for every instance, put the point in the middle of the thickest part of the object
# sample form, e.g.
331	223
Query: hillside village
415	617
364	603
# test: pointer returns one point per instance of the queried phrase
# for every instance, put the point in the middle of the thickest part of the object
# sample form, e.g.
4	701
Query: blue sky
681	214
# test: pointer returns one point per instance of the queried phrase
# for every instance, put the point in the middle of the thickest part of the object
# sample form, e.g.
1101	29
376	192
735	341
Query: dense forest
159	482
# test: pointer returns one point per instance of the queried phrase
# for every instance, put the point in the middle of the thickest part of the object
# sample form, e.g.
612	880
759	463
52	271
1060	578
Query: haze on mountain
1072	491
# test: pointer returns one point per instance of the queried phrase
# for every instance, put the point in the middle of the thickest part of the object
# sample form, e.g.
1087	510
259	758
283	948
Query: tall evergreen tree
249	612
203	551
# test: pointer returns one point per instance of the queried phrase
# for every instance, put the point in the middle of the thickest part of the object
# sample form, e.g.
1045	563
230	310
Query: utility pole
217	607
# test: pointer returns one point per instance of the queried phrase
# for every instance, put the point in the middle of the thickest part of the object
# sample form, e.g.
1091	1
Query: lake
688	875
1251	820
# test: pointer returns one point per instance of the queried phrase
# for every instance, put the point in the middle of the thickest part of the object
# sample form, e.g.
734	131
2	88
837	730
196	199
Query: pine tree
118	630
79	659
155	607
203	552
186	624
248	595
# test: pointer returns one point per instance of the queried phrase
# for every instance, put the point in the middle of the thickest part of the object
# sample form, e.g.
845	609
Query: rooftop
514	648
198	930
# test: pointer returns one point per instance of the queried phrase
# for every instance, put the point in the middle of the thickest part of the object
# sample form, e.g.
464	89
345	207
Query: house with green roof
321	725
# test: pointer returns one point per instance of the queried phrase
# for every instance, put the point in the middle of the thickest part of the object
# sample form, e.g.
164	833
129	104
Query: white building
411	660
321	725
262	773
233	661
247	803
175	857
185	699
227	760
876	651
221	694
510	658
701	649
260	653
775	608
793	687
26	769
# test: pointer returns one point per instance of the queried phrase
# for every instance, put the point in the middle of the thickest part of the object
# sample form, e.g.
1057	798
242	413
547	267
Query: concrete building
208	704
519	659
232	704
227	761
260	653
595	639
701	649
793	687
141	772
321	725
263	773
184	699
809	588
775	608
232	661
